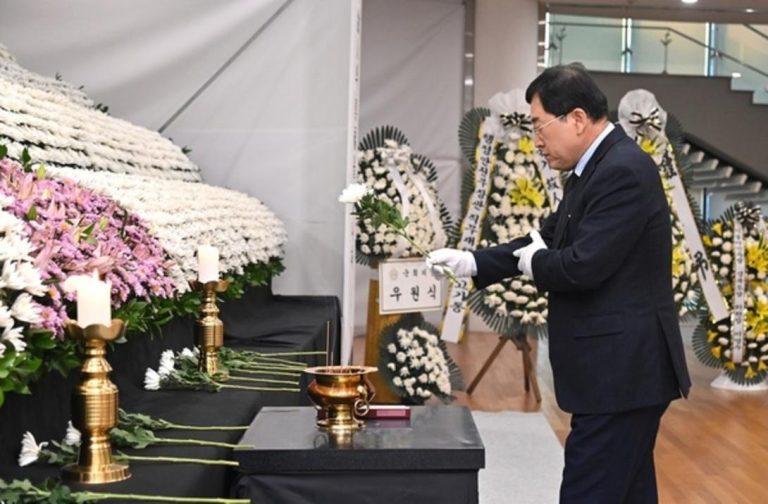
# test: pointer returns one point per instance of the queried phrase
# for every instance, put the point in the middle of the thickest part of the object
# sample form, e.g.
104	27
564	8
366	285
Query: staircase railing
714	51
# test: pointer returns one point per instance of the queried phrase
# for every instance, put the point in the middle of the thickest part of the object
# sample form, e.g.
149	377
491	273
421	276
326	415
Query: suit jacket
614	335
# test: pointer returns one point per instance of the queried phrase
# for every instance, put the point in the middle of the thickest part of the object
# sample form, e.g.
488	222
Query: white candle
207	263
93	302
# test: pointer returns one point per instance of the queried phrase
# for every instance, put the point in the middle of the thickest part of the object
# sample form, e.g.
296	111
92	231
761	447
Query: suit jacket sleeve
497	263
612	223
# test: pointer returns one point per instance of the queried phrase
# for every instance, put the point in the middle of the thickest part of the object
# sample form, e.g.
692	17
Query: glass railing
631	45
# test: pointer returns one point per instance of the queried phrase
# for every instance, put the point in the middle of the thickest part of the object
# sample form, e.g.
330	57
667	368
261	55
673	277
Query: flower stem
424	253
157	498
276	373
273	389
265	380
196	442
265	367
286	354
176	460
207	427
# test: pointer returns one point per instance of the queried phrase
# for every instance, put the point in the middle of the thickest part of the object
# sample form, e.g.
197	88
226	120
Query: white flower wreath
389	168
645	120
713	341
517	203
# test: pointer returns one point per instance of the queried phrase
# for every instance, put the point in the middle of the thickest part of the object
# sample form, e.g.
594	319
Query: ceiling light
690	1
736	75
749	10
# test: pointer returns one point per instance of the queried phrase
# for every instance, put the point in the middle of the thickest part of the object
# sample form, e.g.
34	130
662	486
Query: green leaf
32	213
40	173
86	233
103	223
3	151
25	158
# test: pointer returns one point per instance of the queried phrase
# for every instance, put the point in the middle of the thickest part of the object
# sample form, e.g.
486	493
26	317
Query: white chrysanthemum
186	353
33	282
6	320
353	193
30	450
72	437
15	337
151	380
25	309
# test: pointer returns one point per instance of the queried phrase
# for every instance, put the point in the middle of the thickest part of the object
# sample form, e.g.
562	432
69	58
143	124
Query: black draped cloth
259	321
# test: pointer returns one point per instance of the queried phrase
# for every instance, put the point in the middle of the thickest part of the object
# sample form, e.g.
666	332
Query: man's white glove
525	254
460	262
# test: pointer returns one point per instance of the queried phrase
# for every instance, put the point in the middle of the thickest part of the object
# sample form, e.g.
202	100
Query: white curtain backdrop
274	123
412	57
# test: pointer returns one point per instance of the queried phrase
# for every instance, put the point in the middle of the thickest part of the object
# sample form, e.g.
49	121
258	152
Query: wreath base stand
375	324
529	369
724	382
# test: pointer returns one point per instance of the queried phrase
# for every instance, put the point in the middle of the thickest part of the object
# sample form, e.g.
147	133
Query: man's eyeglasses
537	129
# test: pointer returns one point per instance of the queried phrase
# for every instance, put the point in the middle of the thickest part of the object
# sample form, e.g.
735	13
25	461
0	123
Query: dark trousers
609	458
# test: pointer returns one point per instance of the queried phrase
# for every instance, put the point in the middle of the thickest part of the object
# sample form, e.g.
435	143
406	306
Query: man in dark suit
604	257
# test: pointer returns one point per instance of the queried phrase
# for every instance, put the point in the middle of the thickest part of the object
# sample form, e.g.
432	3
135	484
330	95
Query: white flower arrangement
59	130
183	215
641	117
713	340
19	282
11	70
394	174
414	361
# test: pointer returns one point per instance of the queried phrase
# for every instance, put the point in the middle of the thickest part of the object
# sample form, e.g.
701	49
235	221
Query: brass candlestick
94	407
209	329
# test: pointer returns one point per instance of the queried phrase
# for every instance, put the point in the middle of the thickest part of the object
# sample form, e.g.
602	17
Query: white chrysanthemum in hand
30	450
72	437
353	193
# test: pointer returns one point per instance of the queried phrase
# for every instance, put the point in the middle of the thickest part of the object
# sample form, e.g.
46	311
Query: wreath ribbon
738	325
471	229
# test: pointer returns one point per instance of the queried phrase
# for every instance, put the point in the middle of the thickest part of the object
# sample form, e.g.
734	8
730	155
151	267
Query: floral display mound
714	341
415	363
60	127
182	215
406	181
54	230
517	203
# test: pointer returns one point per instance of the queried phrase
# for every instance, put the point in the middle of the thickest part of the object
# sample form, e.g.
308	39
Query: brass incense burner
209	329
340	393
94	407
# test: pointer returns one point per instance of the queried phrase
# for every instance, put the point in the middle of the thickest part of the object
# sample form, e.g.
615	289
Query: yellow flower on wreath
526	192
757	319
678	260
526	145
756	256
650	146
